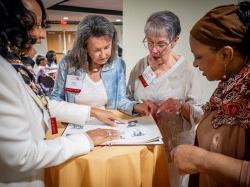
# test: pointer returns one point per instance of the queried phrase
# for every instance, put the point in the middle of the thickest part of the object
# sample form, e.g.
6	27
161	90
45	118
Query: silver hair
91	26
163	21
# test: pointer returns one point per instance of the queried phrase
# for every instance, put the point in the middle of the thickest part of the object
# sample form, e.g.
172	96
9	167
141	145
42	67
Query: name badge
50	121
147	76
73	84
53	123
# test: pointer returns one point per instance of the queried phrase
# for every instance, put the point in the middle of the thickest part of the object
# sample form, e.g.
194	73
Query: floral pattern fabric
232	100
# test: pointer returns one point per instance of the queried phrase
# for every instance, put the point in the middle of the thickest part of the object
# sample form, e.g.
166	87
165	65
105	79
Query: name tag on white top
147	76
73	84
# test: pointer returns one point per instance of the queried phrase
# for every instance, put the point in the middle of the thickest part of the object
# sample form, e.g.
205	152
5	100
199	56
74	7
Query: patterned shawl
28	77
231	99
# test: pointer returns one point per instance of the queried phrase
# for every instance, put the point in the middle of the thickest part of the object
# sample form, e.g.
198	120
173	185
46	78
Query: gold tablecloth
113	166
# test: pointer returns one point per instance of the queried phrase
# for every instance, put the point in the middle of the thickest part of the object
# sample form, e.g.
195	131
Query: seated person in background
44	78
24	117
51	57
43	68
41	63
220	42
163	78
91	73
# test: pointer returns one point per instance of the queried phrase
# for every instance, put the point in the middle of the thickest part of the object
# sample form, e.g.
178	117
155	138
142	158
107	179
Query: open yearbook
138	131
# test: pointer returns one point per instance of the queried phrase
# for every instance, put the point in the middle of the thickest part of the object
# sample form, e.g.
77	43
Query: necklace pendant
95	70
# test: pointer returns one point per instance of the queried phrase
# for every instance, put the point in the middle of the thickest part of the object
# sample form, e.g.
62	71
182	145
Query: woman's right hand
99	136
146	108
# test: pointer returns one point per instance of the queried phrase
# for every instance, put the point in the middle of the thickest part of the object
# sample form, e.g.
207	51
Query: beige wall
43	48
189	11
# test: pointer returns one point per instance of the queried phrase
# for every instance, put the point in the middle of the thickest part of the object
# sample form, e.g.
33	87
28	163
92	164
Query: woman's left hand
188	158
105	116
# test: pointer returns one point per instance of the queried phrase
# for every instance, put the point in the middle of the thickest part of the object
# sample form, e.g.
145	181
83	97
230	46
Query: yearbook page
138	131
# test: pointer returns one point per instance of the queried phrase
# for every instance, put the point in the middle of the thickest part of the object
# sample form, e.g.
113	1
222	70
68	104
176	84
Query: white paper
144	131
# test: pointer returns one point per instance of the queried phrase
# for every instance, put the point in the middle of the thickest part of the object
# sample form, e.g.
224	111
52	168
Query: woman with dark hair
51	57
24	112
91	73
220	42
41	63
43	77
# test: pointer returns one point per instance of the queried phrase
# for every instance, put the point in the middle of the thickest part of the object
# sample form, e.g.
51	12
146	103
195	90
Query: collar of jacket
108	66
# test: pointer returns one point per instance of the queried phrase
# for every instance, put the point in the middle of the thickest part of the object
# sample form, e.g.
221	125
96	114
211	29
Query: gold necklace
95	70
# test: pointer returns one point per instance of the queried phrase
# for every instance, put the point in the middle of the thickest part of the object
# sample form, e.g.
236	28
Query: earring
225	72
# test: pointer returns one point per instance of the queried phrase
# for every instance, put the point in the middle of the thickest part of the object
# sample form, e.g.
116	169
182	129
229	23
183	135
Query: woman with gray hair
92	74
164	80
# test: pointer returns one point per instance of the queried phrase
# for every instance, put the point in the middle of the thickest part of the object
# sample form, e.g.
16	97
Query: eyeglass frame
157	46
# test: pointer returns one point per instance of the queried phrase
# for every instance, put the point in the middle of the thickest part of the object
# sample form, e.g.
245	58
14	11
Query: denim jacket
113	77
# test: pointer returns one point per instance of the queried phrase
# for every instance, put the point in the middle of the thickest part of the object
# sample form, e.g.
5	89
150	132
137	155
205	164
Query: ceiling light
118	20
65	18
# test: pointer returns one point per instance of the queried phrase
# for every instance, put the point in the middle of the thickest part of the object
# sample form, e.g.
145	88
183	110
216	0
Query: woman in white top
164	80
25	151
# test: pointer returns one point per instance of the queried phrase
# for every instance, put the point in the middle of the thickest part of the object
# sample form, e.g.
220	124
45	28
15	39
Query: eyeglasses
161	46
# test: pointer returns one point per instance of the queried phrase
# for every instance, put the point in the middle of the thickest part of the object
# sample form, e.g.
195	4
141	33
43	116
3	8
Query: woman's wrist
202	160
93	112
